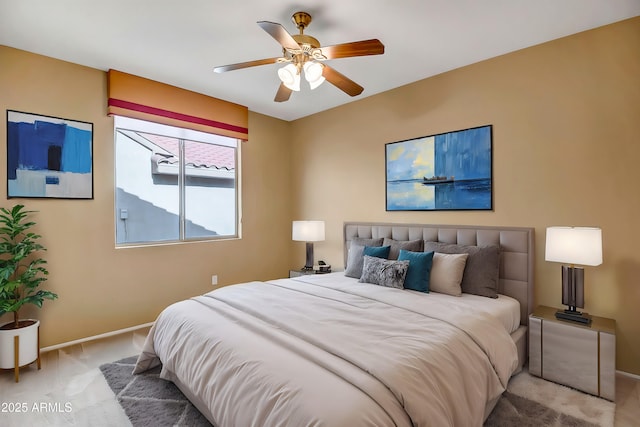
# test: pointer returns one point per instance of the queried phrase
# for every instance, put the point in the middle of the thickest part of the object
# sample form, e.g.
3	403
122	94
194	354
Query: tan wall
100	288
566	126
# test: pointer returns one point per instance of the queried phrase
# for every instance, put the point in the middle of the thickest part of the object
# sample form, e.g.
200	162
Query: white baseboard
95	337
628	374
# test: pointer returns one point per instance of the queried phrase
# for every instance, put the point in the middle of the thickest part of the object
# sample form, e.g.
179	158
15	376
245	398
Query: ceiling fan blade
283	93
281	35
346	50
341	81
240	65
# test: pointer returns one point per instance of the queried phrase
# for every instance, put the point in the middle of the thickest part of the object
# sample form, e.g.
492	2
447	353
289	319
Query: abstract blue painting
448	171
48	157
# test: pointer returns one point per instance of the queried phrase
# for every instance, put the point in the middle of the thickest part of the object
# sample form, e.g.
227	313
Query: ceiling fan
302	52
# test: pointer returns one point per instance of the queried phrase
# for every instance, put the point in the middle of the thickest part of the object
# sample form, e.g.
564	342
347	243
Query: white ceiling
179	42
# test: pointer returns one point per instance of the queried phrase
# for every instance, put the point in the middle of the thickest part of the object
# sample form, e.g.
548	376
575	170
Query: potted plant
21	273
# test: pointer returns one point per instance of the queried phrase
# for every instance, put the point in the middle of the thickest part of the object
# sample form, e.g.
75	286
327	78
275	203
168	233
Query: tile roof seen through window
197	154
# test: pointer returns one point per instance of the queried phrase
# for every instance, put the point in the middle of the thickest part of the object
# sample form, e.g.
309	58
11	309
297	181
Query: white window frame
182	134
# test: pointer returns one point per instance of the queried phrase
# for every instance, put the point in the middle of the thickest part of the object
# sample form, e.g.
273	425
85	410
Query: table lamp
309	232
573	245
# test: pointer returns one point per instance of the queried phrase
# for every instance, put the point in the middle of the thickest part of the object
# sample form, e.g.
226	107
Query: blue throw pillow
419	269
377	251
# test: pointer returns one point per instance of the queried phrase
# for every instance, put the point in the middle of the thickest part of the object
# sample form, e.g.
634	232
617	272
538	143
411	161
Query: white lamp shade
308	231
574	245
313	73
290	77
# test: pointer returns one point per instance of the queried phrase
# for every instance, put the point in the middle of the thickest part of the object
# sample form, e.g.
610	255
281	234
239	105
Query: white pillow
446	273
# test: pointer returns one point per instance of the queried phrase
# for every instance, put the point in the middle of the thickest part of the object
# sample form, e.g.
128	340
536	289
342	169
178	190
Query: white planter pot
28	345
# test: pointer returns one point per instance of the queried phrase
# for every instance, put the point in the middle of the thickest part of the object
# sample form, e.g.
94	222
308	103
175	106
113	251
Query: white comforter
310	352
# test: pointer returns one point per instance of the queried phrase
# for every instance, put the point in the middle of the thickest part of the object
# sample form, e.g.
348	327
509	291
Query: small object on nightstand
323	267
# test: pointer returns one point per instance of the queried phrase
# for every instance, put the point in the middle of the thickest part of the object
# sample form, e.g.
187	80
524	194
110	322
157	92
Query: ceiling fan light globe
314	84
296	83
289	77
287	74
313	73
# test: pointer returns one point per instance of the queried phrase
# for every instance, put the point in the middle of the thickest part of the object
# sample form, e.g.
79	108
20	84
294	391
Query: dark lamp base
574	316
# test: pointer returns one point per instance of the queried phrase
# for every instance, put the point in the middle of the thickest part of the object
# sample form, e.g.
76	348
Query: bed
330	350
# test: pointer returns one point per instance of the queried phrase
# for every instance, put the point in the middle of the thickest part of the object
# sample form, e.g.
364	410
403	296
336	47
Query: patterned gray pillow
384	272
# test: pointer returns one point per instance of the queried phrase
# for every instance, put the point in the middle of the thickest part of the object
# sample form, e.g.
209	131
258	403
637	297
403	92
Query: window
173	184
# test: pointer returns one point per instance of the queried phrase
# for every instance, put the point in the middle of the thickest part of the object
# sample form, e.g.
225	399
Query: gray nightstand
298	273
574	354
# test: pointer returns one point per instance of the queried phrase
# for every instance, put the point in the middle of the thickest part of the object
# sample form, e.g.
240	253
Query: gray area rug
149	400
513	410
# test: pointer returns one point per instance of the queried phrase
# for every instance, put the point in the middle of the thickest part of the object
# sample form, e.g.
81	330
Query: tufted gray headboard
516	243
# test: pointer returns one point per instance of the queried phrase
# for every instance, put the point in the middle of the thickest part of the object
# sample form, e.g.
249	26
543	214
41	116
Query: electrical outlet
214	279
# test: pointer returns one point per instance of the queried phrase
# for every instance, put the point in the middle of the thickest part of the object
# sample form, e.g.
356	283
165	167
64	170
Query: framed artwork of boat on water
448	171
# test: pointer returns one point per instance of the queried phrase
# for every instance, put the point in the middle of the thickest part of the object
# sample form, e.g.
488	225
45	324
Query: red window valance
140	98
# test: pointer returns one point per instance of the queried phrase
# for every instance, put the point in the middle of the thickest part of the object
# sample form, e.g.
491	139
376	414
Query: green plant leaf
21	270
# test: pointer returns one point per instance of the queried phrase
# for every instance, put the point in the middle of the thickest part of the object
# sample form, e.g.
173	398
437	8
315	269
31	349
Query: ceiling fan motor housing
304	39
